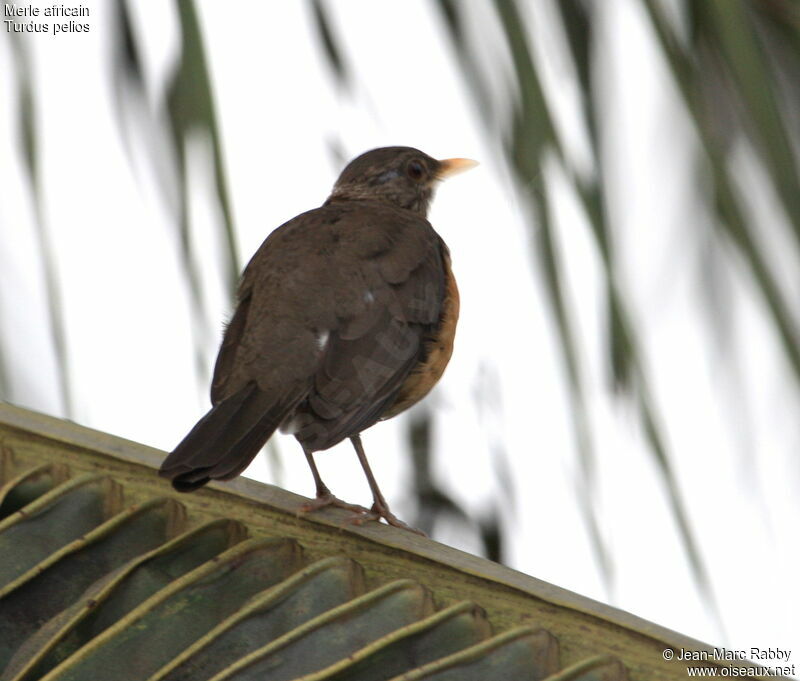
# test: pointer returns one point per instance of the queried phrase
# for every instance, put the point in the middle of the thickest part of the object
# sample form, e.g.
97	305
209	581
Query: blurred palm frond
188	109
733	93
434	505
191	107
327	36
733	73
26	120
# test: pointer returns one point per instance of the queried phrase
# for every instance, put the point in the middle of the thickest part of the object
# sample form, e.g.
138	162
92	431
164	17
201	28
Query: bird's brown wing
388	301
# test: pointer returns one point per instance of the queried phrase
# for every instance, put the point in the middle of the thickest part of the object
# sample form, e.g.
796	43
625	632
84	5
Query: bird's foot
377	512
327	499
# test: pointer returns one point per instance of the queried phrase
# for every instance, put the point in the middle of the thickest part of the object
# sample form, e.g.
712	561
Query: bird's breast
438	350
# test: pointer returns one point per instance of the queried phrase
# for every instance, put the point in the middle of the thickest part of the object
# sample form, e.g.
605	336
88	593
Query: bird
345	316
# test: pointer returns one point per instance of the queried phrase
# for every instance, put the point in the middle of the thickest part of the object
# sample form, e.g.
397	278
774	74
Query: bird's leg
380	509
324	496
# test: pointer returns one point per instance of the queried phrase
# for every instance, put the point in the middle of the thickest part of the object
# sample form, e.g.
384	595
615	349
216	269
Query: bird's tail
226	439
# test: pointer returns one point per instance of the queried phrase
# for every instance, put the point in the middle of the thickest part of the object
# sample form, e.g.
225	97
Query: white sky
128	319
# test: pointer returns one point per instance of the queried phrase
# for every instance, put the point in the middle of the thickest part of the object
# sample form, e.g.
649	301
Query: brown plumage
346	315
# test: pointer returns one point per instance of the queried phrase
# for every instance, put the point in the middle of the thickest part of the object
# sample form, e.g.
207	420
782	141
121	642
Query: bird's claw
360	513
327	499
376	513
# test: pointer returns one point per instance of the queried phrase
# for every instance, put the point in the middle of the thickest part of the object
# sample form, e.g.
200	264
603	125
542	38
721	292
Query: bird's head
402	176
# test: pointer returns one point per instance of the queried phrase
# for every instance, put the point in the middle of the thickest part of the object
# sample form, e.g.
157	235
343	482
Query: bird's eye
415	170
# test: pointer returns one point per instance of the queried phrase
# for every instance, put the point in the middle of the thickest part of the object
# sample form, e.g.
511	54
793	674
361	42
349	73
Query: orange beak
453	166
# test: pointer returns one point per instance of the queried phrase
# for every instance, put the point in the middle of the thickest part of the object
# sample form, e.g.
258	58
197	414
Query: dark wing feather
371	353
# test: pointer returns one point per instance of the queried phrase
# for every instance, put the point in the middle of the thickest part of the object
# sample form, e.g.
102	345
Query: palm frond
330	43
751	111
26	117
191	106
433	503
189	109
727	32
530	145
